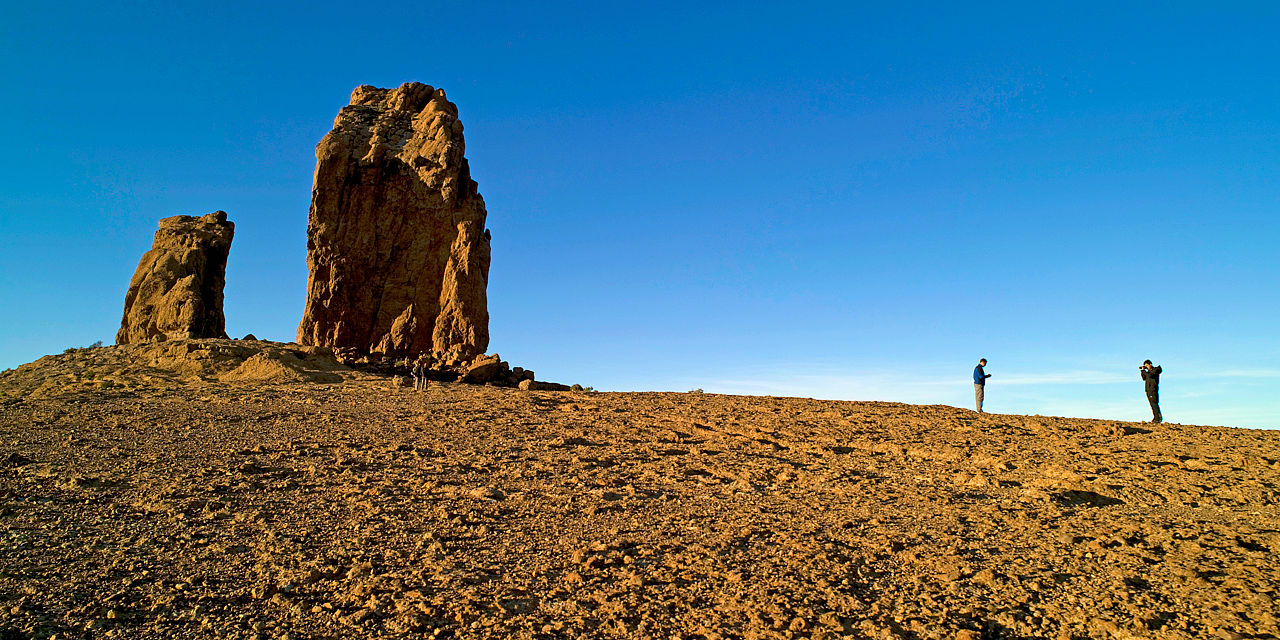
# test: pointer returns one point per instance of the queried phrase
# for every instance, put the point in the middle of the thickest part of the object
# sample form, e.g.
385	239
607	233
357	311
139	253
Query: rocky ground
207	505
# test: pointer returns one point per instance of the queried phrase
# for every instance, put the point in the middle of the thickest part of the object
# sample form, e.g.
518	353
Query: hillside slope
352	509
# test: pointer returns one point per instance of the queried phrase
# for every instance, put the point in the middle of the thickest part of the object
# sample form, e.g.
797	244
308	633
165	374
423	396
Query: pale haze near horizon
841	201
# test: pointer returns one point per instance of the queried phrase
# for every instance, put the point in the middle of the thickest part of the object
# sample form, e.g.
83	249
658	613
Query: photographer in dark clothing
1151	378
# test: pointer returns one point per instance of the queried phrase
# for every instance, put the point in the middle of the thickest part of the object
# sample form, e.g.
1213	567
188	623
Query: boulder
533	385
397	250
482	373
486	369
176	291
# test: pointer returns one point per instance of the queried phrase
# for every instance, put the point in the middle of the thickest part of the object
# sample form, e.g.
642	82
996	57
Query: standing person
418	377
424	363
979	382
1151	378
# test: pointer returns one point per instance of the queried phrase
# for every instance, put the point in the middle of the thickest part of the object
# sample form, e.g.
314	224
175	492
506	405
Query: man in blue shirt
979	382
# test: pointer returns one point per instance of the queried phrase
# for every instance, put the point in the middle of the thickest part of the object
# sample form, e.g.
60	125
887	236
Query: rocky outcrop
486	369
493	370
535	385
176	292
397	250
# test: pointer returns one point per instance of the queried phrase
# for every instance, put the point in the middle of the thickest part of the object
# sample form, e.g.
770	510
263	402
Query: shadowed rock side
176	291
397	251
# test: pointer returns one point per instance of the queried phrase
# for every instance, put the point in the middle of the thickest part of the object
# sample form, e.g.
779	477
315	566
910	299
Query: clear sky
837	200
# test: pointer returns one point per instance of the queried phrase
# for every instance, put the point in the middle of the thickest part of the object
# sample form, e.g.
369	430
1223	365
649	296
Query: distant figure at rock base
979	382
1151	379
421	367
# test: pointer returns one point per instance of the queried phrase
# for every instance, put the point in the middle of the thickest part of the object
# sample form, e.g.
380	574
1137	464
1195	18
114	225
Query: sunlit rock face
397	250
176	292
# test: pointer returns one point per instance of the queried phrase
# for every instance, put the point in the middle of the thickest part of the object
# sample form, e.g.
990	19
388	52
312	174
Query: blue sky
844	200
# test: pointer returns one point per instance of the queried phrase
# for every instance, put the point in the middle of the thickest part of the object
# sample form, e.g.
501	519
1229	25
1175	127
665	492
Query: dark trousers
1154	398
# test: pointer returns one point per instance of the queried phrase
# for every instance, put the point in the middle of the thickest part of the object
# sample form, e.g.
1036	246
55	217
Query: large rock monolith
397	250
176	292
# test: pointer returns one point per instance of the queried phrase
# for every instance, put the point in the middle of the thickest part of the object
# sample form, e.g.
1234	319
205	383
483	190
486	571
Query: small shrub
576	387
95	345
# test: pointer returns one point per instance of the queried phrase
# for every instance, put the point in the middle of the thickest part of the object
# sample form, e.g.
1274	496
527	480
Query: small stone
486	493
358	617
360	570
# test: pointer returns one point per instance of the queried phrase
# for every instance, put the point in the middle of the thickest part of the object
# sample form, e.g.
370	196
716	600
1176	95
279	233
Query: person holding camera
1151	378
980	382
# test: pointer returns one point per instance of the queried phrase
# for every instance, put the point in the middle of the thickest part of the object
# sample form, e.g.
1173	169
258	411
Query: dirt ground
234	507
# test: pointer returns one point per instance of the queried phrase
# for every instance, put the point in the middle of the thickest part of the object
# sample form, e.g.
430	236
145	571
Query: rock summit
176	292
397	250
